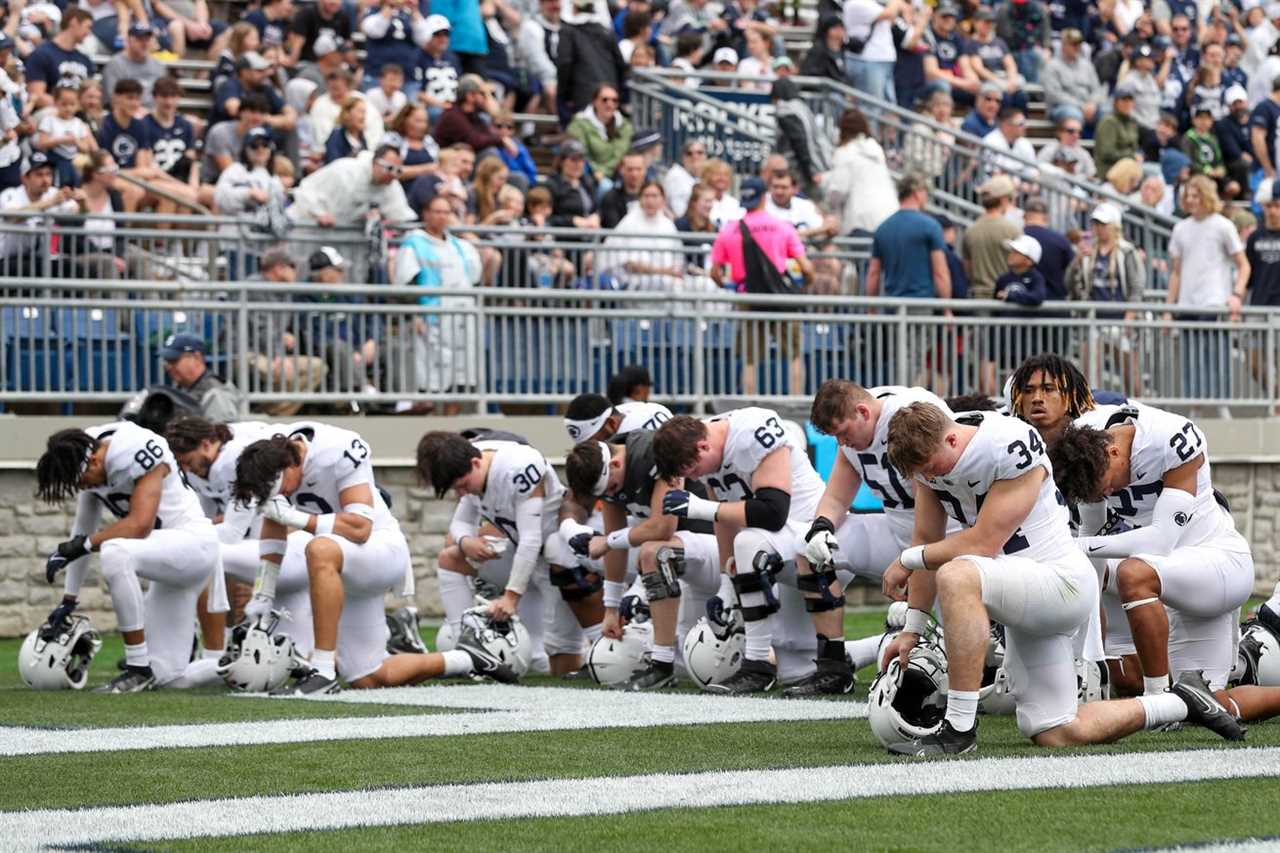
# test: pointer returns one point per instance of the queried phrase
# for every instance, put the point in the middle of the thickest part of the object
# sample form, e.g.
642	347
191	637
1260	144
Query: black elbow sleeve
768	510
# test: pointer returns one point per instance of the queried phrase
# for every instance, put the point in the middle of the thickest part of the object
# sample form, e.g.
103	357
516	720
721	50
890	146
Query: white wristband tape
619	540
613	591
917	622
324	523
912	559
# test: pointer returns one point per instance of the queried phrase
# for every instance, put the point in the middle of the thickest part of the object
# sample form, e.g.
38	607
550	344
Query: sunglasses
501	125
390	168
259	143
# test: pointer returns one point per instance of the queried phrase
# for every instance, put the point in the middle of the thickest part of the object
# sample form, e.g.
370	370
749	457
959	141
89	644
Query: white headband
582	430
603	482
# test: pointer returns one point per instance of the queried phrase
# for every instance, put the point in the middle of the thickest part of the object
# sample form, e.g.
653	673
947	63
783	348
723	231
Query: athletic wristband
917	622
613	591
912	559
267	547
324	523
619	540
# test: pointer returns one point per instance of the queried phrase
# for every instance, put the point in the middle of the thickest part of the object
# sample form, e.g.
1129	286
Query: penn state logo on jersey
168	150
124	147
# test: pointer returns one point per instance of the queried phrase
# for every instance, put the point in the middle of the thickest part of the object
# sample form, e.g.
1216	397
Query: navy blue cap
141	29
751	192
175	346
6	43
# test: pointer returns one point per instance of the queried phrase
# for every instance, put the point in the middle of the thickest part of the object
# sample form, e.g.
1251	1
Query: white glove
279	510
821	549
258	606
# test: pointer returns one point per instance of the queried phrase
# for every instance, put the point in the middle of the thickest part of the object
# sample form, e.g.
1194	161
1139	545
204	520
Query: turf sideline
486	709
619	794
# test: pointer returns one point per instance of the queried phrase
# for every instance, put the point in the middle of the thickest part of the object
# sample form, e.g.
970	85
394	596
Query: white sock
1154	686
663	654
457	594
137	655
962	709
864	651
1162	708
212	654
322	661
456	663
759	639
593	633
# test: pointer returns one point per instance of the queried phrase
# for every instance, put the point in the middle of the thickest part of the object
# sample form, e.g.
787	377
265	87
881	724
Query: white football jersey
1163	441
896	491
514	473
132	452
754	433
1005	448
636	416
336	459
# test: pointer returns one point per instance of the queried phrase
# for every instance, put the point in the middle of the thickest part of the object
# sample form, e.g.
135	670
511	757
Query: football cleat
655	675
1269	619
753	676
1247	667
945	741
831	678
406	637
308	682
483	661
1203	709
134	679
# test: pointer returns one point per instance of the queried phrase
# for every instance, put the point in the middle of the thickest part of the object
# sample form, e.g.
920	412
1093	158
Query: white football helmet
904	705
995	696
1093	680
509	642
712	657
60	663
261	660
447	637
1263	648
611	662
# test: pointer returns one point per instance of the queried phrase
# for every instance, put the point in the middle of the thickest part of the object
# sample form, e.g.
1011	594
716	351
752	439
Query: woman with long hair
420	151
859	183
347	139
491	176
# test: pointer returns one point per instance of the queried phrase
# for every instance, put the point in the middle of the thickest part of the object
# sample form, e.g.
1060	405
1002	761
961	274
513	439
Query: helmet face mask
60	663
909	703
508	641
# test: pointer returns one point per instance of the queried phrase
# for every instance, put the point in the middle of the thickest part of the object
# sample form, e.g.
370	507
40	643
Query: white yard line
489	709
617	795
1231	845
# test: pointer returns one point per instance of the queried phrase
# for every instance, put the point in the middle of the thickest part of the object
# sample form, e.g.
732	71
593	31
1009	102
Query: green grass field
1097	817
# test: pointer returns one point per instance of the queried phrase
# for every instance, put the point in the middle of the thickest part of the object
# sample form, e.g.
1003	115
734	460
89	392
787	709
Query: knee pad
819	584
575	583
658	585
745	583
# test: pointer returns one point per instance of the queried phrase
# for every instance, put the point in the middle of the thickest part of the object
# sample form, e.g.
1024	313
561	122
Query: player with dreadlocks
1050	392
160	534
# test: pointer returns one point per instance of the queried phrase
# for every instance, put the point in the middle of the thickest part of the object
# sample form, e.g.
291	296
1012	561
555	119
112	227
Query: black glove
820	524
58	619
66	552
581	544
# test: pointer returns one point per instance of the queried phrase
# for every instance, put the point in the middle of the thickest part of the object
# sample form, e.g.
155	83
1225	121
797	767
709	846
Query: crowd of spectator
474	126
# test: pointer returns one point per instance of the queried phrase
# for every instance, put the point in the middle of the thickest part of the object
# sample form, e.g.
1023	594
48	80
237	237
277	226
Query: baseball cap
37	160
645	138
177	345
1025	245
947	10
725	54
325	45
572	148
6	43
750	193
257	135
783	61
1124	89
1144	51
468	83
1202	107
141	29
1235	93
984	14
325	257
996	187
1106	213
438	24
1267	192
254	60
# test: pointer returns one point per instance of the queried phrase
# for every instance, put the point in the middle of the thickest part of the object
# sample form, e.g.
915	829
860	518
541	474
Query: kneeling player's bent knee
1136	579
959	577
755	565
649	555
451	560
323	553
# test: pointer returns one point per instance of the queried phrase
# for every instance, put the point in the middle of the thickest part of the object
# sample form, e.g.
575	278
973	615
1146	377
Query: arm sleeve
88	515
236	522
466	518
1092	517
529	548
1168	521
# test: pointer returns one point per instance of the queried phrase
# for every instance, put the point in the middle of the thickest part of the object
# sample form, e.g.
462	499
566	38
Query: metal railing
957	162
385	346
